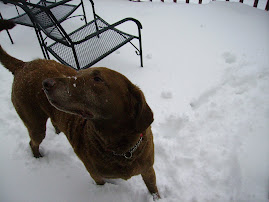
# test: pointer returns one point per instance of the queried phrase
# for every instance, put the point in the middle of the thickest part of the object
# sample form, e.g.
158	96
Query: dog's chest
118	170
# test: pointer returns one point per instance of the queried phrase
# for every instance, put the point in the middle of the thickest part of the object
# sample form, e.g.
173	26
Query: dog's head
100	94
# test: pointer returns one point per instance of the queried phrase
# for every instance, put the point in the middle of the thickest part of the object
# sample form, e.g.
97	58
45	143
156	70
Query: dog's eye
97	79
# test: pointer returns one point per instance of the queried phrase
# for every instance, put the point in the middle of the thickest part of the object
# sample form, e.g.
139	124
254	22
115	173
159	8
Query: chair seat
61	12
90	51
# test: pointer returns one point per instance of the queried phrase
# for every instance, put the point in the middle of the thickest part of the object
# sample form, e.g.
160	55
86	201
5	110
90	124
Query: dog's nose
48	84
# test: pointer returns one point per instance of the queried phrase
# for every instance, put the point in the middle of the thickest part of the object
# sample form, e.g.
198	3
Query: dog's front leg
98	179
149	178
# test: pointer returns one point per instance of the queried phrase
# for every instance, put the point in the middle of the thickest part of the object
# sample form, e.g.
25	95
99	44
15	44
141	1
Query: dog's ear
143	116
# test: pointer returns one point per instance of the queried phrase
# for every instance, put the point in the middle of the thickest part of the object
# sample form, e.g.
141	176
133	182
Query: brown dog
104	116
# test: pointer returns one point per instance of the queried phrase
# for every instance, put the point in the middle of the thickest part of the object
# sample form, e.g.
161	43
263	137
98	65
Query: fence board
255	4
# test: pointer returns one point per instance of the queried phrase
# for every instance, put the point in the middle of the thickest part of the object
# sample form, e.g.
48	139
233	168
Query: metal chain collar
129	154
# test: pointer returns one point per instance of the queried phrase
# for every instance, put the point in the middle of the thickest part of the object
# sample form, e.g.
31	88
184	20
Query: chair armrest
91	2
47	7
139	25
58	3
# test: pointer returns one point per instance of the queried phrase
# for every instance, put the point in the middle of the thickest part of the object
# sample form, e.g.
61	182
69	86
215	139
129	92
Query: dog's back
28	97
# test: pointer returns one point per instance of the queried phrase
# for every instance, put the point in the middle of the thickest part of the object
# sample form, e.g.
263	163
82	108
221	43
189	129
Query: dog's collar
129	154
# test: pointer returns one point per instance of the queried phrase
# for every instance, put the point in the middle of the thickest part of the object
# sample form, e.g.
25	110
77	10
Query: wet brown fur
99	110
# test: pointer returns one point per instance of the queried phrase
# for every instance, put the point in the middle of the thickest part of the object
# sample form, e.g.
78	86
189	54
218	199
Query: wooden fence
255	4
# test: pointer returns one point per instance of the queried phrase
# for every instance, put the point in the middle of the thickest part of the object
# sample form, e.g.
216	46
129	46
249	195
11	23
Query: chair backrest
46	16
43	18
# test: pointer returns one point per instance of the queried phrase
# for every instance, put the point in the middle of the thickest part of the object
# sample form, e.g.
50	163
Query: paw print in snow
166	95
229	58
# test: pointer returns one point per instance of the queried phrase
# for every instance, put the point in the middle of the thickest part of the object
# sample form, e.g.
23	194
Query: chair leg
9	36
140	47
75	56
42	44
84	14
95	18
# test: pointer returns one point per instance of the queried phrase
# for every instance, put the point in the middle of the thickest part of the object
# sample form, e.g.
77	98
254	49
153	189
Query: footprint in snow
229	58
149	56
166	95
172	125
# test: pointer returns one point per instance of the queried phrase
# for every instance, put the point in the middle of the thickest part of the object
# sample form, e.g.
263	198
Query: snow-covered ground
205	76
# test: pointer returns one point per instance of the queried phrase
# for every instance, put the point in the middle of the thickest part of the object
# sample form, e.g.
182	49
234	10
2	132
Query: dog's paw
100	182
156	196
38	155
35	150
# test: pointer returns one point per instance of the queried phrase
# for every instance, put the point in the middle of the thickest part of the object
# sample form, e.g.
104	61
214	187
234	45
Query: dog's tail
11	63
6	24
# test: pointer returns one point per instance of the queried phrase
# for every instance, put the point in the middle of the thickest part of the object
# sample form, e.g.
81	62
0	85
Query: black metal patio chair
82	47
61	12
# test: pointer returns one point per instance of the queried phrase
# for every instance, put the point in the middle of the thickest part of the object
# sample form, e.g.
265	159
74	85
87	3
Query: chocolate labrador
103	115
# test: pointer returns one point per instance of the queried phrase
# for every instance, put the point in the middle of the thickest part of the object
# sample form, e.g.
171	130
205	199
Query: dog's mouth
53	102
71	108
82	113
45	91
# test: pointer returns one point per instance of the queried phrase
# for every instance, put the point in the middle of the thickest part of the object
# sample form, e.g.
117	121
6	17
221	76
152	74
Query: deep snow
205	76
